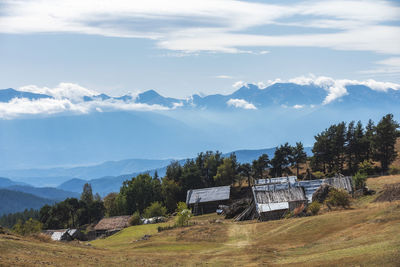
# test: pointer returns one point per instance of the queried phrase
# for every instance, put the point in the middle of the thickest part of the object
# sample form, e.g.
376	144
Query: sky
182	47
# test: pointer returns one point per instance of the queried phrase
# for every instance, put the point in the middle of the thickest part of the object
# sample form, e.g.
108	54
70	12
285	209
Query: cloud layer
216	26
67	98
73	99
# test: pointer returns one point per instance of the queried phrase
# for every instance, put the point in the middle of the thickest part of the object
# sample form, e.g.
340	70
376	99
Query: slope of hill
44	192
365	235
14	201
109	168
5	182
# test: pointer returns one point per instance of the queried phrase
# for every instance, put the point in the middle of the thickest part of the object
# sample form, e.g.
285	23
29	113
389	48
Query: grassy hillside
367	234
13	201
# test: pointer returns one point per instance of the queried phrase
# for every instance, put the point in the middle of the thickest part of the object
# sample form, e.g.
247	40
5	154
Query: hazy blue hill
109	168
103	185
5	182
94	137
7	94
44	192
14	201
73	185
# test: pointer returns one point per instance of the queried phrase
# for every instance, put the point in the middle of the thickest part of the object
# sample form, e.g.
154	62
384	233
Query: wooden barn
111	225
274	204
207	200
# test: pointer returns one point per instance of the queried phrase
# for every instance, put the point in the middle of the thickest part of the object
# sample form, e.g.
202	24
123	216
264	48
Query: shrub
314	207
359	180
135	219
366	167
338	198
154	210
31	226
318	175
183	214
394	170
164	228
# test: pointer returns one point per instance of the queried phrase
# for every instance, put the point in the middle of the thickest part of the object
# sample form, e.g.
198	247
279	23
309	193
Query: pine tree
299	156
385	140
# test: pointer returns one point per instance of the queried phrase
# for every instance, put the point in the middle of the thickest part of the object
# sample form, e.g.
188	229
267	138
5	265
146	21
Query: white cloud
240	103
69	91
298	106
224	77
217	26
177	105
239	84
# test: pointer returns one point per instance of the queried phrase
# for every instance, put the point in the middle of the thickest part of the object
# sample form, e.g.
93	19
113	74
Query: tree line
343	148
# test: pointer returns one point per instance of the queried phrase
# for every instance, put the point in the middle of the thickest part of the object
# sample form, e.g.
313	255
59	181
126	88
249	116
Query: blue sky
185	47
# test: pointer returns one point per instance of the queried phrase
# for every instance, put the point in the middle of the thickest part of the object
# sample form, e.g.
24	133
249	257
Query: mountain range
43	129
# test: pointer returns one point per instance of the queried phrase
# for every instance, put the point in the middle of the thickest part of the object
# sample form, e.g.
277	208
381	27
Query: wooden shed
111	225
207	200
273	204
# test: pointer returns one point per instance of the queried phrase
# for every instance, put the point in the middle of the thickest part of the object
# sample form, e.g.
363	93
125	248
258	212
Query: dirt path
240	235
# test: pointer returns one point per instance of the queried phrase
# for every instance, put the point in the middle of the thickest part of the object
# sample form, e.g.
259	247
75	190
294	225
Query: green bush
135	219
154	210
183	214
366	167
359	180
338	198
318	175
314	207
394	170
31	226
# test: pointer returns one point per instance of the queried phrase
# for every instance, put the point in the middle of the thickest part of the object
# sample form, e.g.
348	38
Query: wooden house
207	200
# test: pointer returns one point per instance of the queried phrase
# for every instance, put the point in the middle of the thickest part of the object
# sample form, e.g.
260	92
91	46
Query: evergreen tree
299	156
385	140
283	158
246	170
260	165
87	193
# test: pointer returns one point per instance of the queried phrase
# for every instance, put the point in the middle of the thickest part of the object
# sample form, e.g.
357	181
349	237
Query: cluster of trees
342	148
73	213
9	220
208	169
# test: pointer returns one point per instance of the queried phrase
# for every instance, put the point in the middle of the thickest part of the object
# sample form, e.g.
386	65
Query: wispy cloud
298	106
389	66
223	77
215	26
240	103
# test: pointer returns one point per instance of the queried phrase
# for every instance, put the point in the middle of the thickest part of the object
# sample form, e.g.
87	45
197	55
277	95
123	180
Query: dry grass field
368	234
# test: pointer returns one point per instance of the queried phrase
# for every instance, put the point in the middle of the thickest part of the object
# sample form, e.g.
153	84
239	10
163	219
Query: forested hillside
13	201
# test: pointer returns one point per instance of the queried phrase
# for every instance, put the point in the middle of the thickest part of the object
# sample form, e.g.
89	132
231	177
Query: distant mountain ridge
277	94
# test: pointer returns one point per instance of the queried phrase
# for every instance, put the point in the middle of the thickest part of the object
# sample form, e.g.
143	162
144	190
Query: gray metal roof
208	194
277	199
310	186
277	180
